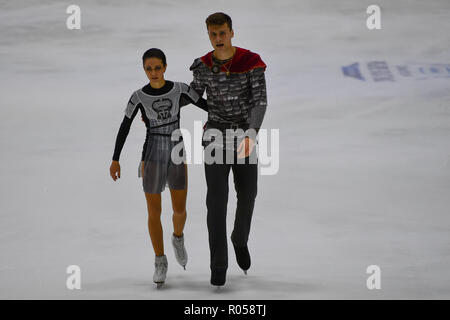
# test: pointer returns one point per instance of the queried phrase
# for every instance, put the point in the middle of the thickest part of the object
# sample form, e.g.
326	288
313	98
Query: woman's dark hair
218	19
154	53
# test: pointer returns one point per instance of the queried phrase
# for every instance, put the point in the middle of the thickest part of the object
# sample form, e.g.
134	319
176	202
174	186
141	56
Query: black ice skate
218	277
242	257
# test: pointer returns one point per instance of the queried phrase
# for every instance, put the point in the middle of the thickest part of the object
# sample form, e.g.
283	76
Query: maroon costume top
242	61
235	88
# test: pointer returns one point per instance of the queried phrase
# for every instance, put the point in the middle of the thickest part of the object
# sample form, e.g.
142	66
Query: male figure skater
236	95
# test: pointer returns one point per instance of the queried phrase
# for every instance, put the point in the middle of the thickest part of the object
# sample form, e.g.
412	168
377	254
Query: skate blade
184	267
159	285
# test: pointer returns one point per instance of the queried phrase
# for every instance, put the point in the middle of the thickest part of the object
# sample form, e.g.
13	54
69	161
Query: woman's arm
144	148
190	96
201	103
130	113
122	134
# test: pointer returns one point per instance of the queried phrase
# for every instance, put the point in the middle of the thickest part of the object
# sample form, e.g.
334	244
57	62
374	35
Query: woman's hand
142	169
114	170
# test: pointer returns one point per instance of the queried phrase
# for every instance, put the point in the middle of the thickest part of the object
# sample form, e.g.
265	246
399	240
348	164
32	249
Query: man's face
220	37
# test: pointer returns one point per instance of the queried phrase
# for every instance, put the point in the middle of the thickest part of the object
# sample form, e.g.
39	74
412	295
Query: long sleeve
189	96
122	135
144	148
201	103
258	98
130	112
198	84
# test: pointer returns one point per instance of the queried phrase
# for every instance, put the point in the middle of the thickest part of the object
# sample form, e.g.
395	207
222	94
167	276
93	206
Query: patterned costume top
160	109
235	88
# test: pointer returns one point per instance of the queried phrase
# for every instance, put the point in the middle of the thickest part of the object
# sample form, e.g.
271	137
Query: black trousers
245	183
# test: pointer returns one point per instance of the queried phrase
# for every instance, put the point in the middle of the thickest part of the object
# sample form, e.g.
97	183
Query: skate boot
159	277
242	257
180	250
218	277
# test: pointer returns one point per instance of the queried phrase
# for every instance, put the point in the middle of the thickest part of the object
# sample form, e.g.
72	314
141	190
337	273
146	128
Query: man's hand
245	148
114	170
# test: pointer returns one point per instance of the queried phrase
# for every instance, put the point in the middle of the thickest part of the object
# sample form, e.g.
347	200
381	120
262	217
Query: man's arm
197	83
258	96
258	99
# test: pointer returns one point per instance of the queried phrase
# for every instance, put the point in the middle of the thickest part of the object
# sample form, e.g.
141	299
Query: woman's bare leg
179	209
154	222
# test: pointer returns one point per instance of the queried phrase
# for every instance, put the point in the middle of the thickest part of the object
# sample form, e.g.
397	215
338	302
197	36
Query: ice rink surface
364	176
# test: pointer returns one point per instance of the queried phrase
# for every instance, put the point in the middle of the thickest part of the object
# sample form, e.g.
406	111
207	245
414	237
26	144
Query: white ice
364	173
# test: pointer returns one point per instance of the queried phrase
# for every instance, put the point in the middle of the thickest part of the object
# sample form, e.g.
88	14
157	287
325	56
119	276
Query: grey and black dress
160	109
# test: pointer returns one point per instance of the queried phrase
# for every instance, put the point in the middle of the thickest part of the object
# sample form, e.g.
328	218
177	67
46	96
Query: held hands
245	148
114	170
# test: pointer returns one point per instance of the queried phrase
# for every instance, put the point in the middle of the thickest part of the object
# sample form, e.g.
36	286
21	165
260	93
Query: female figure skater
160	102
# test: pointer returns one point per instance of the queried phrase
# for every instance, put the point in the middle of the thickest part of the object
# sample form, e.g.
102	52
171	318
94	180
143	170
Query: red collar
243	61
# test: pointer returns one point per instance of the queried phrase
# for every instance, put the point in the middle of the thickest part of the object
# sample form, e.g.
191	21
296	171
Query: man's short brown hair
218	19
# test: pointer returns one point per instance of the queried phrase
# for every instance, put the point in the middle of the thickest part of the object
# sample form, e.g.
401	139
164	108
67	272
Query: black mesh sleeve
258	98
198	83
122	134
144	148
185	100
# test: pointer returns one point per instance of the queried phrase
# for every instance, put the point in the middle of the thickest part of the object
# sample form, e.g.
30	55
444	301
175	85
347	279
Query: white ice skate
159	277
180	250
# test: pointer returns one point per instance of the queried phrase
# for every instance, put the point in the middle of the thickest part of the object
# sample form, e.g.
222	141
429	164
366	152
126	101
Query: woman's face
154	69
